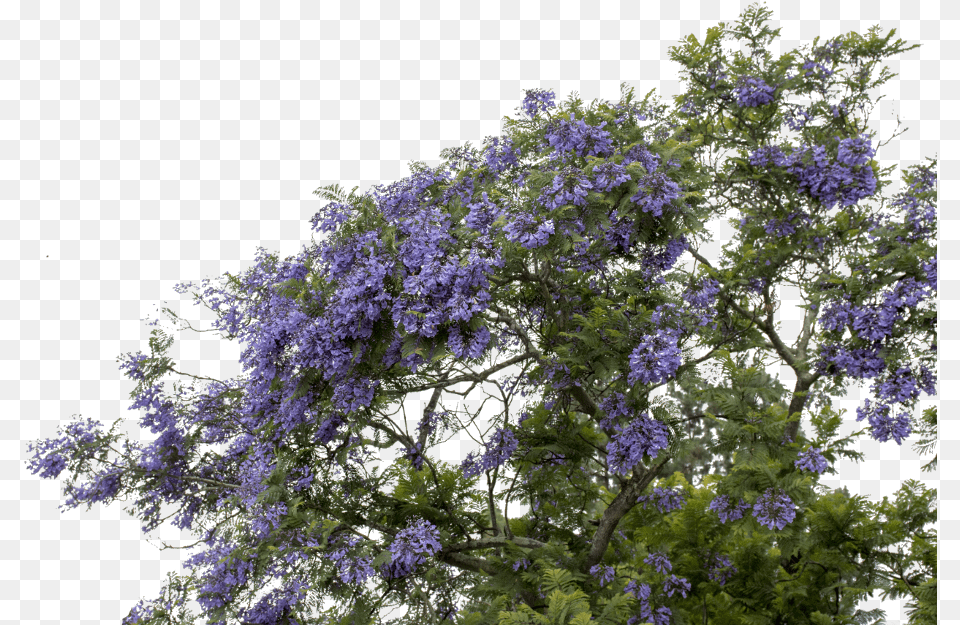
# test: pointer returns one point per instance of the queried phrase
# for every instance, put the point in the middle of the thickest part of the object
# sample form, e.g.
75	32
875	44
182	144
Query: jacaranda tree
554	250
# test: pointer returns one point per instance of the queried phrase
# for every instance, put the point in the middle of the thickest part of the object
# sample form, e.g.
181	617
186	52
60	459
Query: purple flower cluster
577	137
660	616
658	560
229	571
872	322
774	509
410	546
274	608
754	92
721	569
615	406
352	570
654	264
884	425
702	299
499	155
605	574
855	362
569	186
726	511
665	499
528	231
786	227
875	324
917	204
499	449
656	193
51	454
812	460
620	233
847	180
643	436
609	175
656	359
537	100
674	584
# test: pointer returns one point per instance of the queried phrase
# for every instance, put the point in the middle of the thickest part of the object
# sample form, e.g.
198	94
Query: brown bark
625	500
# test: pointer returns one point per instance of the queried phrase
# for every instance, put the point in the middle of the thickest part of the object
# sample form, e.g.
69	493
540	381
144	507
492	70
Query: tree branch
618	508
468	377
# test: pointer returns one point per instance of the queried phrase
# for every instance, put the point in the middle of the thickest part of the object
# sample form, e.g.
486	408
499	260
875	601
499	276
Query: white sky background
165	147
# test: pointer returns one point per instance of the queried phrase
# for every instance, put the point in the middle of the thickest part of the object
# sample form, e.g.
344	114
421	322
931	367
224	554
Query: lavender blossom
774	509
644	436
665	499
812	460
537	100
659	562
604	573
726	511
754	92
499	449
411	545
673	584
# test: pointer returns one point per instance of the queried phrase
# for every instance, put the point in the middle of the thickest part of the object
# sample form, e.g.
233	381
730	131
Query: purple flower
754	92
577	137
727	512
812	460
608	175
659	562
500	155
604	573
656	359
521	562
774	509
855	151
721	569
537	100
524	229
768	155
656	193
703	299
569	186
665	499
644	436
657	263
674	583
900	387
499	449
883	424
411	545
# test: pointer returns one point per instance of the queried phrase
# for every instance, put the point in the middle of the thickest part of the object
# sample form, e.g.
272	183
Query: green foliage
737	436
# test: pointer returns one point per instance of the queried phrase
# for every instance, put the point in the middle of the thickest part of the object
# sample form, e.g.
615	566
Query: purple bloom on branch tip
411	546
659	562
774	509
605	574
665	499
754	92
673	584
884	425
726	511
644	436
499	449
721	569
812	460
656	359
537	100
